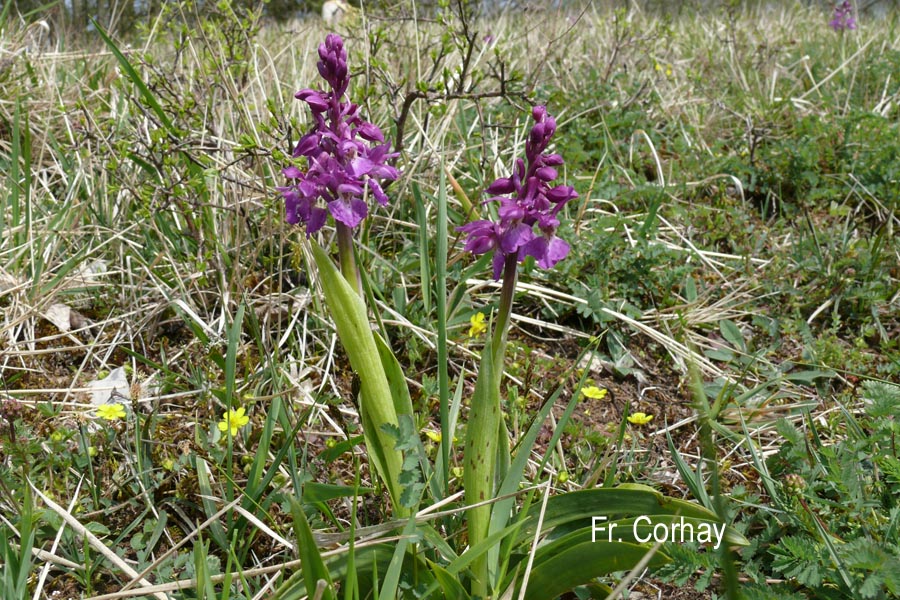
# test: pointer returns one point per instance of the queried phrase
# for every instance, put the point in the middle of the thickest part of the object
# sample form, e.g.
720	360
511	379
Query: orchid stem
486	429
347	258
507	292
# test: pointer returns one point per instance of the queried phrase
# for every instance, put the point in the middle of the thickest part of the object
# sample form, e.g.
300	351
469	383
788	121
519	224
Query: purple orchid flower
843	17
345	155
525	200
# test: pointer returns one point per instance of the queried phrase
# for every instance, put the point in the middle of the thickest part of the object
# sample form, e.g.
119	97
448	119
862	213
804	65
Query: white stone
333	11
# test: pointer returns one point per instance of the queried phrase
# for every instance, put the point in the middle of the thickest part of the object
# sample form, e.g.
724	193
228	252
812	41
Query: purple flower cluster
843	17
526	199
345	155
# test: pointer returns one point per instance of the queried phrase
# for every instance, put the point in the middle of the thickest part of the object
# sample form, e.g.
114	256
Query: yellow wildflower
111	412
593	392
435	436
639	418
478	326
233	420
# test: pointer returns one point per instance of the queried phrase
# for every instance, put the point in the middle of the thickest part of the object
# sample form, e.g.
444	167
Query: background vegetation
738	173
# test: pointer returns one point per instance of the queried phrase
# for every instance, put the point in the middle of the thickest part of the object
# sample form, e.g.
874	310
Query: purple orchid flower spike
843	17
346	156
526	200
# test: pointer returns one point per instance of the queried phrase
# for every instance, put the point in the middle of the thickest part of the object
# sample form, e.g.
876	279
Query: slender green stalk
440	260
347	258
507	292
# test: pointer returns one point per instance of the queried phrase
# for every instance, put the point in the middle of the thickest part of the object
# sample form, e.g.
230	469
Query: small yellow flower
478	326
457	472
593	392
435	436
111	412
233	420
639	418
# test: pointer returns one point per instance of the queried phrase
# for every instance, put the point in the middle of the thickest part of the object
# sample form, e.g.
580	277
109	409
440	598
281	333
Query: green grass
738	174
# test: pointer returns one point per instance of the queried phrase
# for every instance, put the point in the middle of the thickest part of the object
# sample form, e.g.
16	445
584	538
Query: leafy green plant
16	551
503	556
835	515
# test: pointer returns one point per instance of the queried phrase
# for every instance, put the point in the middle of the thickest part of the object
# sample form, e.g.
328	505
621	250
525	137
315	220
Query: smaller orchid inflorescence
526	199
843	17
345	154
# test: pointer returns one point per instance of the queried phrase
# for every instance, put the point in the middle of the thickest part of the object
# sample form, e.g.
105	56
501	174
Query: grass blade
314	569
136	79
395	568
440	267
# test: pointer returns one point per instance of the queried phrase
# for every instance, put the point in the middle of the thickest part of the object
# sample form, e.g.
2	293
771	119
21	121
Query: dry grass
131	242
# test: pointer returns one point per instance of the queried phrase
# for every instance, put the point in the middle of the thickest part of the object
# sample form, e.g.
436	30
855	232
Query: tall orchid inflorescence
526	226
345	154
526	199
843	17
346	160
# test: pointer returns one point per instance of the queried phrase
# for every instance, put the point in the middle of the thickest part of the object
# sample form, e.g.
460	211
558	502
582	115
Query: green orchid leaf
516	470
396	379
639	530
621	502
403	406
479	461
582	563
377	406
462	562
372	563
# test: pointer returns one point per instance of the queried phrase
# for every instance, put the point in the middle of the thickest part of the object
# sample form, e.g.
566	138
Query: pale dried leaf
113	388
60	315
